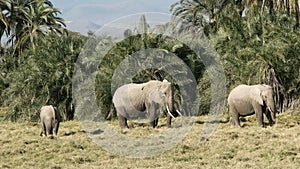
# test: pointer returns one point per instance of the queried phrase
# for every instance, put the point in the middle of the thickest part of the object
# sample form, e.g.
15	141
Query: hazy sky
84	15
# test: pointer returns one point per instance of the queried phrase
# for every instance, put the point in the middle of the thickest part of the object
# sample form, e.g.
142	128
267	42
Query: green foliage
42	76
259	45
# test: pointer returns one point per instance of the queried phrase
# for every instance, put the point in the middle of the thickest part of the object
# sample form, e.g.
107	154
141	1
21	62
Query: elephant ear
156	96
166	89
256	95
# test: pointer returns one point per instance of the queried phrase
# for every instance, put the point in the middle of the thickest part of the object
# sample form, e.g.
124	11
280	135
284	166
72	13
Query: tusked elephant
148	99
50	119
246	100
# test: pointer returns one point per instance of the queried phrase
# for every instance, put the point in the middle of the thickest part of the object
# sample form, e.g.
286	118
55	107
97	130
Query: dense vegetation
37	59
258	42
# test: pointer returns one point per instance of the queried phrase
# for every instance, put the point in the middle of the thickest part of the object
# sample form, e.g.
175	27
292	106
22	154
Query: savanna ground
247	147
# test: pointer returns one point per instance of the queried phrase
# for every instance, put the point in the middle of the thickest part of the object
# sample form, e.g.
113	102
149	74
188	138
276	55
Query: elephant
137	100
50	119
245	100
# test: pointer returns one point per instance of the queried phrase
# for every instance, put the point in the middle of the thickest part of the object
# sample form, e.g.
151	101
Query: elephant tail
227	114
53	112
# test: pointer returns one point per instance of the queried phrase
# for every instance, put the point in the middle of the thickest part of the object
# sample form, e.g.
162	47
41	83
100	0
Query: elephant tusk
270	109
170	112
179	113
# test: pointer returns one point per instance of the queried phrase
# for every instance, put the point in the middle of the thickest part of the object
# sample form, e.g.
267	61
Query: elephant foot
152	124
124	130
42	134
124	127
262	126
235	125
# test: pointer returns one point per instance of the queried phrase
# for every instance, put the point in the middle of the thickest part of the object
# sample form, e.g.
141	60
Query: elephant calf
246	100
50	119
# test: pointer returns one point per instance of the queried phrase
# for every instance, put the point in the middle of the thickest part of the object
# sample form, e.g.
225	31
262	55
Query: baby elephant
50	119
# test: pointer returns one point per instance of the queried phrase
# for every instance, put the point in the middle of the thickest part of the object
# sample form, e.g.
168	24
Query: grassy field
247	147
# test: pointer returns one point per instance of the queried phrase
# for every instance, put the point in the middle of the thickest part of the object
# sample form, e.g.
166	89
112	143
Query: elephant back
47	112
239	93
128	93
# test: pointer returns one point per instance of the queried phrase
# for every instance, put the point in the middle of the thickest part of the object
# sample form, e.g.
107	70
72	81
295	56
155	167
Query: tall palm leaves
38	18
202	13
26	21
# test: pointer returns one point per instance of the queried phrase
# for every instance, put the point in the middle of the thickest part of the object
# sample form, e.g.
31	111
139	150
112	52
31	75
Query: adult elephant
246	100
133	101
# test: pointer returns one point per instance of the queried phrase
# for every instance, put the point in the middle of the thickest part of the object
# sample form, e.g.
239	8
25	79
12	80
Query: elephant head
264	95
162	101
161	94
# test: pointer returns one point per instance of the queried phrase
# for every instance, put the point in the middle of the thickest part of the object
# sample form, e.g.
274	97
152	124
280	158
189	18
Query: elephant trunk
272	109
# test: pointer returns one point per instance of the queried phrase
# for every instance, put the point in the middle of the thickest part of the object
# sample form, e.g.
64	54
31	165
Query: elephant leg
50	130
259	115
235	117
169	120
260	119
153	120
153	115
48	127
56	126
269	117
236	120
156	122
152	123
43	132
122	121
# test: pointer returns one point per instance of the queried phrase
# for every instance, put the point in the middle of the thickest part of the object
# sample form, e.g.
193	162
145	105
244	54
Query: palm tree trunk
297	12
262	21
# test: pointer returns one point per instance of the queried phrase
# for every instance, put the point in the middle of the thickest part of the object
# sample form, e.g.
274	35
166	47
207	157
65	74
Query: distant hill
83	26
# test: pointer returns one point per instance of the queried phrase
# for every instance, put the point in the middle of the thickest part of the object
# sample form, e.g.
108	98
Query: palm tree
39	18
10	17
27	21
297	4
204	13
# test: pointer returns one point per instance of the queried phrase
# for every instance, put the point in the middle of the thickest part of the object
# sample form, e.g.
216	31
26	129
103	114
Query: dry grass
247	147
